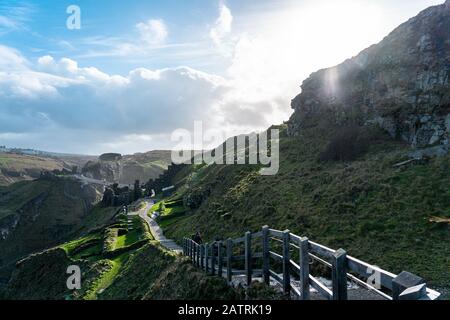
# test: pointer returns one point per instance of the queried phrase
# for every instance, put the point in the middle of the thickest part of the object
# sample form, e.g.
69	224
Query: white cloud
153	31
7	24
222	27
59	102
11	59
220	33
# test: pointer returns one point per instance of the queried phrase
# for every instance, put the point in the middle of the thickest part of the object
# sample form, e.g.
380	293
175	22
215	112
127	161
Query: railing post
248	257
194	258
202	256
220	259
197	254
229	259
304	268
286	263
265	255
408	286
184	246
189	248
339	275
206	258
213	258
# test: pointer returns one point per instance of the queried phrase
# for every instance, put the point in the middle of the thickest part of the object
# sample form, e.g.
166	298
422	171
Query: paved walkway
156	231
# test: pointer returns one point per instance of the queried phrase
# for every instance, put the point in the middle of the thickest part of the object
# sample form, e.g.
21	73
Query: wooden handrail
217	258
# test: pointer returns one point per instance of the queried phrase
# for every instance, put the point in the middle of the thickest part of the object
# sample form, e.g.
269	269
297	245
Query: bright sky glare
137	70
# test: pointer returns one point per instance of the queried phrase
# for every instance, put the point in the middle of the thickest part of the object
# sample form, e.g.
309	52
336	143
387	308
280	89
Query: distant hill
128	168
17	165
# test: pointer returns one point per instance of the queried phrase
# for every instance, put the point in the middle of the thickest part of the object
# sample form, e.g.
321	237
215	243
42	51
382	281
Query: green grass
164	223
107	278
376	212
127	239
72	245
92	253
4	161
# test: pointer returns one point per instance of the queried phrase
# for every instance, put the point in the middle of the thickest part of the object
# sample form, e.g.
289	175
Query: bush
348	144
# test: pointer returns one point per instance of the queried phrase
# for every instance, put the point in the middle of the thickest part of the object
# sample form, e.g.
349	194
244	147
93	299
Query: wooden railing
290	266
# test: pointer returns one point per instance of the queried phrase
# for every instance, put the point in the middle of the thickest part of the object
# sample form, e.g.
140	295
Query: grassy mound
153	273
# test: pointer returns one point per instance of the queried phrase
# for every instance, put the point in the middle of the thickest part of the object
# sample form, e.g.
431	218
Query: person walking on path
197	238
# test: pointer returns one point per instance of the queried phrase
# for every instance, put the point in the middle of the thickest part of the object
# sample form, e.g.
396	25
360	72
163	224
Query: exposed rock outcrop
401	84
128	168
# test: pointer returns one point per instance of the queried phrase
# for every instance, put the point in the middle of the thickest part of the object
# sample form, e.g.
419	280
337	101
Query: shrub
349	143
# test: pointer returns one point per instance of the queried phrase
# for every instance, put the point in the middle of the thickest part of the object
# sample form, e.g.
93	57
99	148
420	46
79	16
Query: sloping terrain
15	167
349	172
38	214
380	213
127	169
114	268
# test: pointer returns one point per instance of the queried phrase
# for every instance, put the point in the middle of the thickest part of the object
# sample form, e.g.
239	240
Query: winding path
156	231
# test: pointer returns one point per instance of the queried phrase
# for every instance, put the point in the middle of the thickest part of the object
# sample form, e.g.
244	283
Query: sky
135	71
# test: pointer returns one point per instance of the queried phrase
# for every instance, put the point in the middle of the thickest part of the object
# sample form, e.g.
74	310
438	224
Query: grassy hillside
100	254
35	215
377	212
153	273
119	262
133	268
15	167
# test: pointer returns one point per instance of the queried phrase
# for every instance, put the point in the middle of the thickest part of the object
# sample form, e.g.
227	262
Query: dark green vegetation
36	215
153	273
133	268
170	210
101	254
377	212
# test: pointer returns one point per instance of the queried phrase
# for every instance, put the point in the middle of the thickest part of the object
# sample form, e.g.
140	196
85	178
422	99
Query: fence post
248	257
265	254
213	258
189	247
339	275
304	269
206	258
202	256
286	263
184	246
220	259
408	286
197	254
229	259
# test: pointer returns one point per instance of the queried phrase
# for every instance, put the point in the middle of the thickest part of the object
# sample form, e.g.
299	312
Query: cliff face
129	168
401	84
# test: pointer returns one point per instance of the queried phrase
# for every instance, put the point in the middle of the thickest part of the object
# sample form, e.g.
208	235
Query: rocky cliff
401	84
128	168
